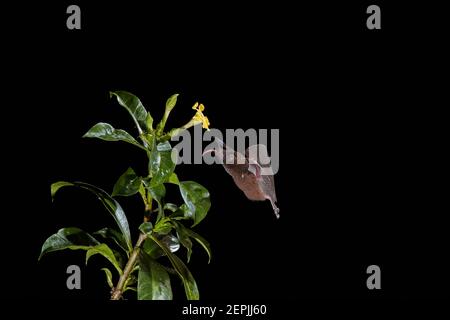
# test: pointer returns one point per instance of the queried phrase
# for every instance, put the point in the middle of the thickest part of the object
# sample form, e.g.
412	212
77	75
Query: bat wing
263	174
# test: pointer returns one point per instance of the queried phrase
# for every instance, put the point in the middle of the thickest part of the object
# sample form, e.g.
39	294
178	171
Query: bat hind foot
276	210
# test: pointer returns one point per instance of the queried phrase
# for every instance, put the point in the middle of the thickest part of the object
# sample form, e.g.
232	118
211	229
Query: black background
358	179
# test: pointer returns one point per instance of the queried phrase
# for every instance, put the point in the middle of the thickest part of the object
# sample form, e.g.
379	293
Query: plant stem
118	290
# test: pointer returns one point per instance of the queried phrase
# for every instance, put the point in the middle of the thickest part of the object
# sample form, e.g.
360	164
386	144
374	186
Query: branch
118	290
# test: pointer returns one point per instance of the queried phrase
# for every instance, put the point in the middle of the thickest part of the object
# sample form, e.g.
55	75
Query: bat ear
216	149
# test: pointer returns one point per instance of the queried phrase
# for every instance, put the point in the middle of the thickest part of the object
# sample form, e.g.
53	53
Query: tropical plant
139	267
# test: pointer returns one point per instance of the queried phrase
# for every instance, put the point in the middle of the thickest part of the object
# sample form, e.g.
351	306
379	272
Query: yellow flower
199	116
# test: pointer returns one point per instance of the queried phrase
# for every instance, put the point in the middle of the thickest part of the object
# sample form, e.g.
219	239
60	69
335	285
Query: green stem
118	290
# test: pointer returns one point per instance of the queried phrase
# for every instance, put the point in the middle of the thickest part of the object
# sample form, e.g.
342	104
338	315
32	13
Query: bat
247	172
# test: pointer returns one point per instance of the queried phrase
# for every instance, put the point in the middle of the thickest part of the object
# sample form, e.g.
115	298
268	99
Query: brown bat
246	173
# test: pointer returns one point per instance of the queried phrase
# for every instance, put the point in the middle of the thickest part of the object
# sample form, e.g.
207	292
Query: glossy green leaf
146	228
190	286
157	192
110	204
143	193
172	133
152	249
68	238
153	280
202	241
121	259
182	213
127	185
171	242
171	207
58	185
184	238
134	106
132	279
164	146
116	236
107	132
108	277
163	226
170	270
106	252
161	164
196	198
173	178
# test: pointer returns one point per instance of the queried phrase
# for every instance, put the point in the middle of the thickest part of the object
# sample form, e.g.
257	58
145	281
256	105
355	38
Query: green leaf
157	191
171	207
161	164
172	133
190	286
136	109
152	249
184	239
132	279
153	280
202	241
171	242
58	185
106	252
143	193
164	146
68	238
146	228
127	185
184	232
163	226
182	213
173	178
110	204
155	251
108	277
196	198
106	132
116	236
